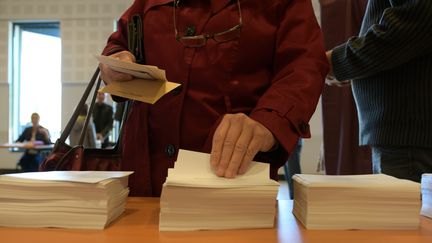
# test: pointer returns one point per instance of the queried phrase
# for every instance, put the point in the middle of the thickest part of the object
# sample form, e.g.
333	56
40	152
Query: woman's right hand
108	75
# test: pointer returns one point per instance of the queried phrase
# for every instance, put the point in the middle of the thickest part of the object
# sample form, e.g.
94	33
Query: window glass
36	76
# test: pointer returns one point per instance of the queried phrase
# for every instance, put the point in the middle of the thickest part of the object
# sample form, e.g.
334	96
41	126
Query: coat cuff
109	50
339	62
282	128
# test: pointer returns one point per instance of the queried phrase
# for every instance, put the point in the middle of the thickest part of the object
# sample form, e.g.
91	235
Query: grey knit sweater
390	64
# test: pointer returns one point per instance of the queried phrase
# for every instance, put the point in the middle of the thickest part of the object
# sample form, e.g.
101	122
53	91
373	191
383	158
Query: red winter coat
274	72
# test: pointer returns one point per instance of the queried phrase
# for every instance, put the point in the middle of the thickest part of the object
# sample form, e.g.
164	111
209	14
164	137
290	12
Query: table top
139	223
28	145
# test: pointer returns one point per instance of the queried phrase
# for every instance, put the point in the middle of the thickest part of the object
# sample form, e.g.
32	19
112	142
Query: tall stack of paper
356	202
426	188
65	199
194	198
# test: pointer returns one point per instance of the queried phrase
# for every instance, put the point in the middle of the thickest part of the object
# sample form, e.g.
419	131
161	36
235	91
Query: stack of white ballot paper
426	188
356	202
195	198
64	199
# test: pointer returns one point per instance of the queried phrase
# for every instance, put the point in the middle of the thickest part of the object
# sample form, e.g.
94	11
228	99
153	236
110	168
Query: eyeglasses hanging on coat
189	39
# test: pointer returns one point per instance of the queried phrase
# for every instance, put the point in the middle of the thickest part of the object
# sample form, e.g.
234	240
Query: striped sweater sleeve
403	33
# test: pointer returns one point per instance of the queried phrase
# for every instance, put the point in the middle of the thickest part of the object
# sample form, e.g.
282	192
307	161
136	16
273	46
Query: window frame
49	27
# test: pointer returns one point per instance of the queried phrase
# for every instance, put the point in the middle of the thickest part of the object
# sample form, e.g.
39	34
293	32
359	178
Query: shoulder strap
135	38
79	107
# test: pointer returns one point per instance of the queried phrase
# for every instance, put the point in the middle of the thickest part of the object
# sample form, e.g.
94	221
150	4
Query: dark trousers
292	167
402	162
30	162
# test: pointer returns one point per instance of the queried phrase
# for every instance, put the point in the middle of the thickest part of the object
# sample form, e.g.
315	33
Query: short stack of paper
194	198
426	188
64	199
356	202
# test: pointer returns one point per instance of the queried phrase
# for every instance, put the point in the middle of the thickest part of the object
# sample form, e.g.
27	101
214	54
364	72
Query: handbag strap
89	113
136	46
79	107
66	132
135	38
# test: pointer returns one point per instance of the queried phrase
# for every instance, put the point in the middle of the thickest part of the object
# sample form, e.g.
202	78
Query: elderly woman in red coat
251	74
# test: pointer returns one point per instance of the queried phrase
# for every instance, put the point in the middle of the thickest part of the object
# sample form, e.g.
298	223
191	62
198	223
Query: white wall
85	27
310	155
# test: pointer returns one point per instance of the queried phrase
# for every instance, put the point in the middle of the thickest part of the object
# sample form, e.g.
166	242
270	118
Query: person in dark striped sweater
390	65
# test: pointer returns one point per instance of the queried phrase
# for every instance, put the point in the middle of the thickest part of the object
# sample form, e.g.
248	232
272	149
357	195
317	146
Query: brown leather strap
66	132
89	113
78	108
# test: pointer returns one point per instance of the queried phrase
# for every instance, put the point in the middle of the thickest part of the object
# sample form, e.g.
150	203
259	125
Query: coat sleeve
118	40
403	33
300	67
24	136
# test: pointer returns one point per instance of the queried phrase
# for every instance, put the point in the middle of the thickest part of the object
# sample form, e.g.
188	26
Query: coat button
190	30
170	150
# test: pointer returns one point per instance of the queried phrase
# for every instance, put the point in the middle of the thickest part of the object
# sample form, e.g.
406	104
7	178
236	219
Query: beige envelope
145	90
151	83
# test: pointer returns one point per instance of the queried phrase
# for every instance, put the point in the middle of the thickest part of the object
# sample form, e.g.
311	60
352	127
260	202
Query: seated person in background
35	134
103	119
90	133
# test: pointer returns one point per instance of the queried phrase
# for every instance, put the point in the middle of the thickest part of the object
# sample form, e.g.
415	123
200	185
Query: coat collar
218	5
151	3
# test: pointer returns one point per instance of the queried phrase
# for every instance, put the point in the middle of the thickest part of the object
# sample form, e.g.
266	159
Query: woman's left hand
236	141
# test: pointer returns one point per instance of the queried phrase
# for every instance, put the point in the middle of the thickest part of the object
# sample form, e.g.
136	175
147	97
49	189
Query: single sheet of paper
354	181
69	176
135	69
149	86
193	169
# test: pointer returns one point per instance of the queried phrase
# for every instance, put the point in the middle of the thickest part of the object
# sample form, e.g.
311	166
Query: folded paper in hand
149	86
